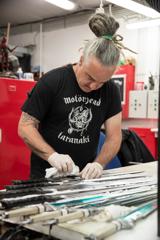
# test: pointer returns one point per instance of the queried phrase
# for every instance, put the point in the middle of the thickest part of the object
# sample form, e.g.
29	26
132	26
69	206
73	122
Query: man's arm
113	140
28	131
109	149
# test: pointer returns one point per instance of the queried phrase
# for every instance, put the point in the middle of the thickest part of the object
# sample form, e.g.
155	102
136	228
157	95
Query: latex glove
92	170
62	162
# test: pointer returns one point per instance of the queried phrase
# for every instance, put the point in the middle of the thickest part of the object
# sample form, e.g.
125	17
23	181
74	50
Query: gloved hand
92	170
62	162
53	172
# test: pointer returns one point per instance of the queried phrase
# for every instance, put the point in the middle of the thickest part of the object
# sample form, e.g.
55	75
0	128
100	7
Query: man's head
92	74
100	56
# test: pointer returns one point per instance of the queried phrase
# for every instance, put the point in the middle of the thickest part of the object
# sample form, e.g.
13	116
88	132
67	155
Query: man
62	117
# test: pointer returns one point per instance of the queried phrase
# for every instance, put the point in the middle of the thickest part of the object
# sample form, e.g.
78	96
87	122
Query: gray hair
105	50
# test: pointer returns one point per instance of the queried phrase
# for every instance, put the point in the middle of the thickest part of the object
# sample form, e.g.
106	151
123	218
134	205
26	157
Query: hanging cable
100	9
101	3
110	10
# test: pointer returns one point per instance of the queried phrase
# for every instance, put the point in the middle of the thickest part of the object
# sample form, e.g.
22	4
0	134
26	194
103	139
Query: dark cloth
70	119
133	149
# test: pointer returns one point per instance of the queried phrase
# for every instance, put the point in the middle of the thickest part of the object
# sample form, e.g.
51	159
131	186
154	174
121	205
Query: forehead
93	67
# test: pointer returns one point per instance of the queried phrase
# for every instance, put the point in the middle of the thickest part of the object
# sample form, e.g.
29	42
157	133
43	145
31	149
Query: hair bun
101	24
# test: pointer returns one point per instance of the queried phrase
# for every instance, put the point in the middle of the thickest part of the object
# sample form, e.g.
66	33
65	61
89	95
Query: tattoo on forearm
26	118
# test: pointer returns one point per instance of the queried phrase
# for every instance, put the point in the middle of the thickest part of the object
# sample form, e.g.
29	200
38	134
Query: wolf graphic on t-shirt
79	119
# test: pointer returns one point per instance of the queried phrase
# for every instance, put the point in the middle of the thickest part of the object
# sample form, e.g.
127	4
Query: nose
93	86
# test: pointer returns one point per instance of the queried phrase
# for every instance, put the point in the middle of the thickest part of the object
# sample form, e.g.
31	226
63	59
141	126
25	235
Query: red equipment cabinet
14	155
129	72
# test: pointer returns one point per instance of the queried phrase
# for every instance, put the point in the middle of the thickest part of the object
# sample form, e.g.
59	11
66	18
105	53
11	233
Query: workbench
145	229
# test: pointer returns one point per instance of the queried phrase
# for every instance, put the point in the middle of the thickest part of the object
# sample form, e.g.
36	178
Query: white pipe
40	49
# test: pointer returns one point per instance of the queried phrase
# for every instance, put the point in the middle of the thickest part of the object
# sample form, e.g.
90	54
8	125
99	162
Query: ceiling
23	11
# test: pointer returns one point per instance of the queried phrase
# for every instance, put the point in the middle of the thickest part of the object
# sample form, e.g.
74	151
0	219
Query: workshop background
44	36
37	36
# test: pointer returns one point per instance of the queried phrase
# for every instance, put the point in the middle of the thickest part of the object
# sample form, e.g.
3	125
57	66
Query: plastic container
28	76
20	73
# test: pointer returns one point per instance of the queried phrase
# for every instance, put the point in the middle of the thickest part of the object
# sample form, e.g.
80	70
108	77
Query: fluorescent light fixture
136	7
143	24
65	4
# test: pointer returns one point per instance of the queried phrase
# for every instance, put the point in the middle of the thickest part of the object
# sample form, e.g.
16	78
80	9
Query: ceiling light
136	7
143	24
65	4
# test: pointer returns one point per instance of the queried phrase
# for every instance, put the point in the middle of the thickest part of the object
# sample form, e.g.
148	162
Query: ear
81	60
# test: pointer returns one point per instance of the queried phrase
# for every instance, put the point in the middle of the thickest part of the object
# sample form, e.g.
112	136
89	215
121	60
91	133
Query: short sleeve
39	99
114	100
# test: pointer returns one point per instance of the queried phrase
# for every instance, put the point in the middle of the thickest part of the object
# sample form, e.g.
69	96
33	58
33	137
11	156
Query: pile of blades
91	209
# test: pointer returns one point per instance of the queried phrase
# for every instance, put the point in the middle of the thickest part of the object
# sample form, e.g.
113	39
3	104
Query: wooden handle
45	216
70	216
8	31
21	212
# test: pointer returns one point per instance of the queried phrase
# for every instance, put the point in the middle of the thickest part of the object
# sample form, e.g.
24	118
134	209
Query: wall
149	54
61	40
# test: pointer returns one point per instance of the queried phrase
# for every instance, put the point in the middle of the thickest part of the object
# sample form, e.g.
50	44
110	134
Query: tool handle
70	216
45	216
21	212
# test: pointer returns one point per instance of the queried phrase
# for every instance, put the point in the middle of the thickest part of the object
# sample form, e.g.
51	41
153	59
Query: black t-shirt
70	119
